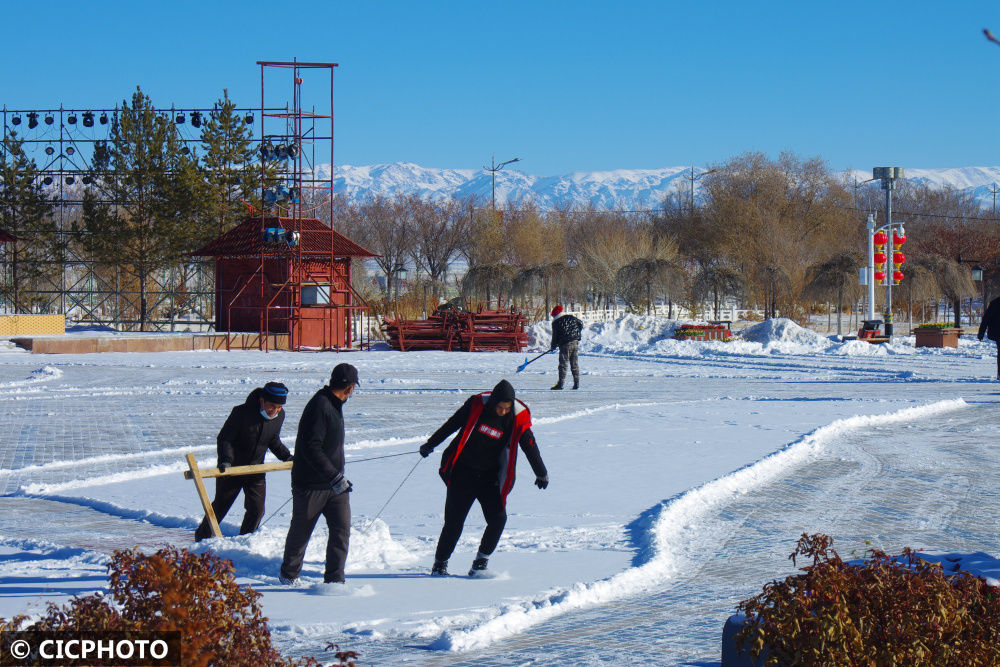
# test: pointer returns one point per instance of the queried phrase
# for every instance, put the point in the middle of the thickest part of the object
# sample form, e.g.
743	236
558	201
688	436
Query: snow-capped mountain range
620	189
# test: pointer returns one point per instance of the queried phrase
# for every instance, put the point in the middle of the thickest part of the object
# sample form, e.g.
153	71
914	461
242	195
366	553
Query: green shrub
219	621
883	611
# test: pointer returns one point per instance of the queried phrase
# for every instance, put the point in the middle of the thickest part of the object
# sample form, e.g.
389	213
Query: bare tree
440	229
834	278
385	227
719	281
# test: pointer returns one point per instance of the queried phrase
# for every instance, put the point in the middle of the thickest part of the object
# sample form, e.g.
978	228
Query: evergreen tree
232	171
143	211
24	212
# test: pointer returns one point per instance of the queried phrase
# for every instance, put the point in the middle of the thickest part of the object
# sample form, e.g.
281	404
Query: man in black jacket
318	482
990	327
251	429
479	465
566	331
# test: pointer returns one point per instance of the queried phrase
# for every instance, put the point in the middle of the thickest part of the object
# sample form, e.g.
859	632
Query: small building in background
287	276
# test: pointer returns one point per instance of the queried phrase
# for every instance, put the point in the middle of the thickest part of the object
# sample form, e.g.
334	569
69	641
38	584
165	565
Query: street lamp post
694	178
493	169
888	176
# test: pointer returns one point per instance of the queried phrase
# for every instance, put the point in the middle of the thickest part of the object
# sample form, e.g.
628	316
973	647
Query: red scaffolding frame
295	193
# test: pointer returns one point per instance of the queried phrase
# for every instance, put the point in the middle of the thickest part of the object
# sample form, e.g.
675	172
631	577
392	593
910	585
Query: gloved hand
291	457
224	465
542	482
340	484
426	449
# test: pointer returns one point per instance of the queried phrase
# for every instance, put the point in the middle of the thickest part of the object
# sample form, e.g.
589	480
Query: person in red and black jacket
479	465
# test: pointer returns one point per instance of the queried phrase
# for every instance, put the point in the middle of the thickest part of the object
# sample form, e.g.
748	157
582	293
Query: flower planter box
702	332
937	336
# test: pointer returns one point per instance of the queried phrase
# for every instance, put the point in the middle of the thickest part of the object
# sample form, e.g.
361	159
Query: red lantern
880	238
880	258
898	240
896	277
880	276
898	258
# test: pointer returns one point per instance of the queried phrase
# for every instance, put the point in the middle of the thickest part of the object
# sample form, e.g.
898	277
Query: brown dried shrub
220	622
883	611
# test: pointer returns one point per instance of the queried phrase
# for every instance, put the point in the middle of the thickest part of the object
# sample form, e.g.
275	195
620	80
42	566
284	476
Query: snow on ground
649	464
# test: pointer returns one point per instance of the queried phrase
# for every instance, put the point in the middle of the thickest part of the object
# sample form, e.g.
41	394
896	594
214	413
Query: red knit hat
556	311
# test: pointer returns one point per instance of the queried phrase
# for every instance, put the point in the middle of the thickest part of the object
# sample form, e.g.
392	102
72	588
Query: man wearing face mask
479	465
251	429
318	482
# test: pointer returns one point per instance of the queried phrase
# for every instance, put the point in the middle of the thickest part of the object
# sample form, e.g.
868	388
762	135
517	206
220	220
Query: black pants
226	489
465	488
307	505
998	357
568	356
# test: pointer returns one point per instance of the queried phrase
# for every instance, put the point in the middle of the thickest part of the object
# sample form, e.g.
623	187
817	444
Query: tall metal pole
691	198
871	266
890	269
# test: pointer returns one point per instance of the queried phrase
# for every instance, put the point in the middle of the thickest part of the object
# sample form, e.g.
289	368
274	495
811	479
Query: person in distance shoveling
566	336
479	465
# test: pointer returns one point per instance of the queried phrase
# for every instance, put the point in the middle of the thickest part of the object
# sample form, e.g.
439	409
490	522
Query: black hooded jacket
246	436
319	444
565	328
482	453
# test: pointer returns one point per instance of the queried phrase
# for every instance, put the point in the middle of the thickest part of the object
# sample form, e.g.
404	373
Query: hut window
315	295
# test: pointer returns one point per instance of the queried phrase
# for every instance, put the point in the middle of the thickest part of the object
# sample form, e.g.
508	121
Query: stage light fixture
32	120
70	180
248	119
47	180
88	119
71	119
86	180
49	119
70	150
185	150
196	119
293	151
49	150
179	118
104	119
16	120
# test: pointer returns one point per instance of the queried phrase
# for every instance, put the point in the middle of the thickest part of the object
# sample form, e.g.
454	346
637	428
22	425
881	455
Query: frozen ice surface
682	474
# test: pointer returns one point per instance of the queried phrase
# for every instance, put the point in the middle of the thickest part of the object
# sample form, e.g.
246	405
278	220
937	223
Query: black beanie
504	391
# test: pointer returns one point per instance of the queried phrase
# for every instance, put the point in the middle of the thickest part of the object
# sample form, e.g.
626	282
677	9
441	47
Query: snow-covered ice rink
682	473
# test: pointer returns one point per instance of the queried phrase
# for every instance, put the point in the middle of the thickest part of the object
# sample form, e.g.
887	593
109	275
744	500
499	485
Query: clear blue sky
565	86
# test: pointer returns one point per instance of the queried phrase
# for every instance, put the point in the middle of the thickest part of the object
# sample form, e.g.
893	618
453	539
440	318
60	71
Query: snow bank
41	375
639	335
672	525
258	555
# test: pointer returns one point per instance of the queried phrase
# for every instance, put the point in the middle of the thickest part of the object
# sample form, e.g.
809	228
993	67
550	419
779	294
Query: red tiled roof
246	240
6	237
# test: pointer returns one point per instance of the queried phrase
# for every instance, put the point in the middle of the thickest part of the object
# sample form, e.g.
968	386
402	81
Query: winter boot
440	568
478	566
576	384
557	385
287	581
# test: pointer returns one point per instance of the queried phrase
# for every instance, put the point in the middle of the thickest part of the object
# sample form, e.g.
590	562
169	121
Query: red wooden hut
286	276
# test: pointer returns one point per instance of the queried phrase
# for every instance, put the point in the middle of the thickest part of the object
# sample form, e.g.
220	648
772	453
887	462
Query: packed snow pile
650	335
782	330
